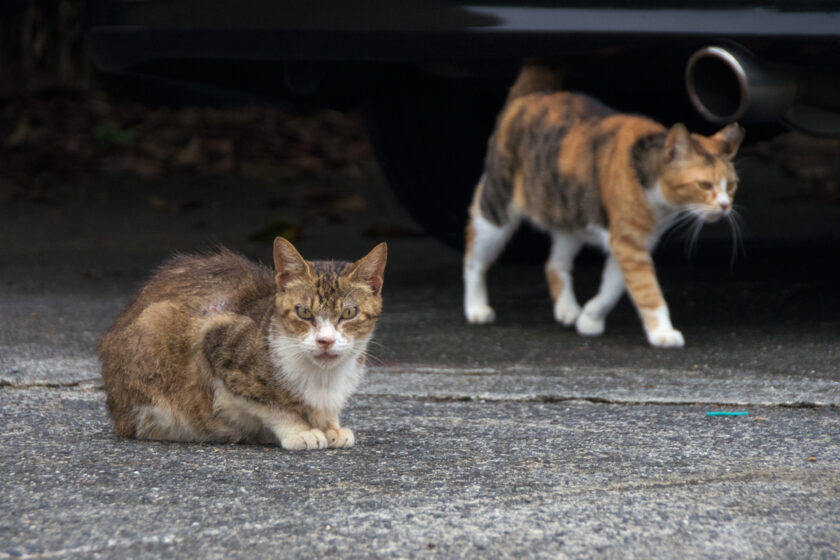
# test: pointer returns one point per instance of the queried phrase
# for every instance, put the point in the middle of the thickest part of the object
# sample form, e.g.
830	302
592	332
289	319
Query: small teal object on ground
716	413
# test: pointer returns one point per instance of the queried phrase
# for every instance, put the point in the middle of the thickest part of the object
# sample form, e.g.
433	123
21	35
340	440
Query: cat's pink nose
325	342
724	204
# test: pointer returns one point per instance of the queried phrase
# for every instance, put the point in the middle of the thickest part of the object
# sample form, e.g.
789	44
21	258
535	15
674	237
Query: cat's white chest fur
664	213
324	389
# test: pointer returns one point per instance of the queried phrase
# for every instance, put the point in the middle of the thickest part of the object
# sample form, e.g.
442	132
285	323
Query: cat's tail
537	75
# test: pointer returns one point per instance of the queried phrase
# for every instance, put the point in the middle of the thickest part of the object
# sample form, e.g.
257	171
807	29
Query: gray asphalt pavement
520	439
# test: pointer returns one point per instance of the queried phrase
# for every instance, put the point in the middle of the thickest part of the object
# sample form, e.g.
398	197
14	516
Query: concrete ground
520	439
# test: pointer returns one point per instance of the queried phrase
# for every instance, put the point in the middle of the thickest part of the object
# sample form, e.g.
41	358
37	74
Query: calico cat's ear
729	139
287	261
677	143
370	269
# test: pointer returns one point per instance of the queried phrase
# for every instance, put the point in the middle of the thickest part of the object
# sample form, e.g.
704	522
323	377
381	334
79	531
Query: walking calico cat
217	348
586	174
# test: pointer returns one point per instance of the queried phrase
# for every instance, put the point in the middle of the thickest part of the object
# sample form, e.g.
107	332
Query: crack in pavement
548	399
90	385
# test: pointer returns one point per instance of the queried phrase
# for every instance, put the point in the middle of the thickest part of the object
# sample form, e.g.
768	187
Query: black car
432	75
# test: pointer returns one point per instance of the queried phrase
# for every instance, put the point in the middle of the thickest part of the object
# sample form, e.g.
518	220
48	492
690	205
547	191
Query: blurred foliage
58	127
53	137
43	37
107	134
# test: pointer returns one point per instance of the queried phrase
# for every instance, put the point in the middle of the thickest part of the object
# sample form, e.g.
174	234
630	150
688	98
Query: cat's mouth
713	216
326	359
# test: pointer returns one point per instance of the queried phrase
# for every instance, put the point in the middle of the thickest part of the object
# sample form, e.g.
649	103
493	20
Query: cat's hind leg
145	369
592	318
558	273
161	422
484	243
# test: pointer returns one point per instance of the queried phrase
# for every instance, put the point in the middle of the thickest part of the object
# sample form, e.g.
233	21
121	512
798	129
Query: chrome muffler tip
727	83
717	85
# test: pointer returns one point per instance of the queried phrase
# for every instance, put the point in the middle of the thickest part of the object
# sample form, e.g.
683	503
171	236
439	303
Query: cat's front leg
306	439
636	266
253	419
340	437
337	436
660	331
294	432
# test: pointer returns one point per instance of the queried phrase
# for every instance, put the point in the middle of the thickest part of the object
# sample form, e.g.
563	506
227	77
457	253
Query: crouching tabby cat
587	174
217	348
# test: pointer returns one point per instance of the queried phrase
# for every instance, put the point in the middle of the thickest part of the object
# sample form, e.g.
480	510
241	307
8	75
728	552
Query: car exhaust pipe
727	84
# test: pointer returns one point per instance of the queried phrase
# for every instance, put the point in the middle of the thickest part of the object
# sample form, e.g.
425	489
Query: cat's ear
370	269
677	143
287	261
729	139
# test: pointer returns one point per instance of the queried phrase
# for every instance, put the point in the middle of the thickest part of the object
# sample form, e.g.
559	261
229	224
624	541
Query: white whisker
737	235
678	225
691	245
371	359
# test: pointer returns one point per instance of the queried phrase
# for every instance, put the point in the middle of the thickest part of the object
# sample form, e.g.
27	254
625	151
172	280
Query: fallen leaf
268	171
155	149
220	146
161	203
348	202
138	165
108	135
281	228
220	164
20	133
190	156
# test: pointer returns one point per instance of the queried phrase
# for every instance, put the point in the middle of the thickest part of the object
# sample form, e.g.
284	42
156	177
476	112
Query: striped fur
585	173
217	348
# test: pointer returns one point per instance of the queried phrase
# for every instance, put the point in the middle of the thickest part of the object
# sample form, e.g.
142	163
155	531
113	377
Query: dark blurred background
64	125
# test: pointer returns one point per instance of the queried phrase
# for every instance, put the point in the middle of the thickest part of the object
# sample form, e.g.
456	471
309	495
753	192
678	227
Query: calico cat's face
698	174
326	311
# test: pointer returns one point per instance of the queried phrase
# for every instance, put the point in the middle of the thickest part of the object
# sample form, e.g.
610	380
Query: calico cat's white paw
566	312
480	314
666	338
588	325
342	437
310	439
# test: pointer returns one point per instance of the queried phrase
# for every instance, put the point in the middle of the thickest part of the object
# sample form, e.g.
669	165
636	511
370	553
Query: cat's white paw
480	314
310	439
666	338
588	325
342	437
566	312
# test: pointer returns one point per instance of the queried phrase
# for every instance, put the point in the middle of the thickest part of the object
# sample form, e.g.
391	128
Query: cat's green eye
349	312
303	312
705	185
